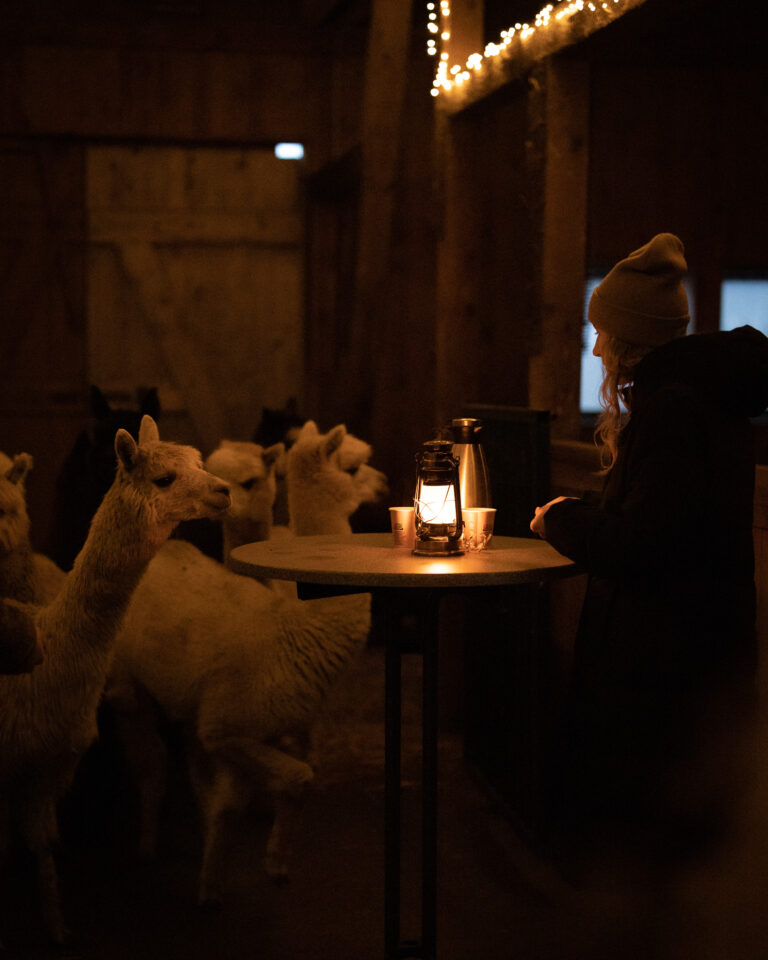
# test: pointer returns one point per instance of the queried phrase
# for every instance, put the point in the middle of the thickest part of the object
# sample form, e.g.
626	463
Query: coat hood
728	368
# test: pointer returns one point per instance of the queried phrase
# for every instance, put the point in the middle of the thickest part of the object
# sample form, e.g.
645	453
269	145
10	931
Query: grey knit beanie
642	299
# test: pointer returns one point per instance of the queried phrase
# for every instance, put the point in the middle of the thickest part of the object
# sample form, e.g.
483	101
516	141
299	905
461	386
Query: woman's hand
538	524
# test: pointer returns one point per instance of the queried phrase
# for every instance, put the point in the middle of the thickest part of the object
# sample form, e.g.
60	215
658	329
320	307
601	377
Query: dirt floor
496	899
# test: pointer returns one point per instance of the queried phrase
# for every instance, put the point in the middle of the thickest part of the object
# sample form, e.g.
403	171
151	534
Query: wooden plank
161	93
185	364
275	228
383	97
554	372
760	519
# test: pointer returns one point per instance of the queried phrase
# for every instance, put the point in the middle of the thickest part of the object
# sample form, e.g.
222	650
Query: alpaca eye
165	481
248	484
352	471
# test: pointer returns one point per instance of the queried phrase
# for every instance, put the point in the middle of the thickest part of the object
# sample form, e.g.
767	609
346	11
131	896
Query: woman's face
597	350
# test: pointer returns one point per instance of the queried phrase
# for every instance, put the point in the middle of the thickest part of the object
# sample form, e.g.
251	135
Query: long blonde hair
619	361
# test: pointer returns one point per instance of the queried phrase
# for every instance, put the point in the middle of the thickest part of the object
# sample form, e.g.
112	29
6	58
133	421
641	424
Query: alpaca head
14	519
328	478
249	470
166	481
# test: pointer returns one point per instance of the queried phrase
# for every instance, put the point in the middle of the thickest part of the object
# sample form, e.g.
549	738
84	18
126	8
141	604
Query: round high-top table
369	562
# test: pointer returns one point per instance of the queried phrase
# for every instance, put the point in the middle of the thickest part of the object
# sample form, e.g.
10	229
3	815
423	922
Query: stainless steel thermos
474	483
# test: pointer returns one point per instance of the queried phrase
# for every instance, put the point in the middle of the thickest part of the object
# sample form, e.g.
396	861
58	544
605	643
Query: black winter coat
665	656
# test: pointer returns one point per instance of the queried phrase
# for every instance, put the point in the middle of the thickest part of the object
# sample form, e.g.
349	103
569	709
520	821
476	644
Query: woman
662	691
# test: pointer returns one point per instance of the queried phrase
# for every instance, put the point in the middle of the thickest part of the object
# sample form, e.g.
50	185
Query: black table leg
429	780
425	948
392	778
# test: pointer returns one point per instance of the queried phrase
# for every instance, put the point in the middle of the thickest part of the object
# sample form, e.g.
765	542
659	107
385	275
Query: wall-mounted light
289	151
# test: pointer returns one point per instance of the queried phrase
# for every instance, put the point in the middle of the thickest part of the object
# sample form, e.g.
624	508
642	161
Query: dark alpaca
88	472
279	426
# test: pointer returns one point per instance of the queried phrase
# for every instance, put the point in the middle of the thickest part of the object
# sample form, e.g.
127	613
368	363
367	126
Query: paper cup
478	527
403	526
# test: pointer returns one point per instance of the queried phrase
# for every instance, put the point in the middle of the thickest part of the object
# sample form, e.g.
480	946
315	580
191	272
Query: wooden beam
273	228
567	26
386	74
554	372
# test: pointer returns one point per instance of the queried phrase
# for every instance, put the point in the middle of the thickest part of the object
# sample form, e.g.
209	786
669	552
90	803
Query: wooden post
456	186
385	77
554	372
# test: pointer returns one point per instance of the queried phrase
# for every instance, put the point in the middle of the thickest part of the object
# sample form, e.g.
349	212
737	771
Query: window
744	301
592	367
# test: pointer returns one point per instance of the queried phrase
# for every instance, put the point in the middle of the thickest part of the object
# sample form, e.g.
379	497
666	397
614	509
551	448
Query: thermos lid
466	430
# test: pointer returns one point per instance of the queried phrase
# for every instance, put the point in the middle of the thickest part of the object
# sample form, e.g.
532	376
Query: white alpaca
249	469
49	718
243	667
24	574
328	478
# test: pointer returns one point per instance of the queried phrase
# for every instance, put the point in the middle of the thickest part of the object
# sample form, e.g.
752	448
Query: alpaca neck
120	544
17	574
309	525
319	506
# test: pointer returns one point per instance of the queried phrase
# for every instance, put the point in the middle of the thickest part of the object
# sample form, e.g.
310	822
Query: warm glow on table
371	560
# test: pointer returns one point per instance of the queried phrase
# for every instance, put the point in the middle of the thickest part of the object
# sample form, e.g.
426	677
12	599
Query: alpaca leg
287	782
220	795
146	756
42	834
286	779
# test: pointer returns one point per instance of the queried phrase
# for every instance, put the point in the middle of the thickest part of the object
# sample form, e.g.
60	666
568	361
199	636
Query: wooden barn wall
42	309
148	238
371	240
679	149
195	279
156	92
489	272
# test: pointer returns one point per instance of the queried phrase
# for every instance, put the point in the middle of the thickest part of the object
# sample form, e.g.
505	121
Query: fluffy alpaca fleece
243	668
24	574
20	650
328	477
249	469
49	717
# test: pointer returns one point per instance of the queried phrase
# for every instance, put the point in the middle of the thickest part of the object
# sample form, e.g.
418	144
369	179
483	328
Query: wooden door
195	283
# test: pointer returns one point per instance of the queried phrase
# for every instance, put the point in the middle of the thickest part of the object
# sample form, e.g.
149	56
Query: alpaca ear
126	449
308	430
22	464
100	407
148	432
334	439
272	454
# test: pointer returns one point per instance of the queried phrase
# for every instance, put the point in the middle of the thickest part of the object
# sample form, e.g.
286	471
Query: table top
372	560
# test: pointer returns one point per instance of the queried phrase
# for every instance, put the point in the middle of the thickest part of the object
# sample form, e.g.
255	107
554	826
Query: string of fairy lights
448	76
